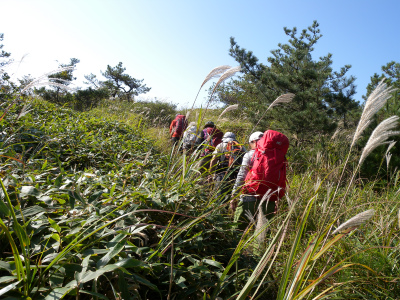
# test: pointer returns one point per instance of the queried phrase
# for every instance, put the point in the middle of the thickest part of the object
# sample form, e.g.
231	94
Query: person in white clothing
247	202
225	163
190	136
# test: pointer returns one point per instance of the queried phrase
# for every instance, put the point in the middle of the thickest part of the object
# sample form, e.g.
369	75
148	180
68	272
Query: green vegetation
96	205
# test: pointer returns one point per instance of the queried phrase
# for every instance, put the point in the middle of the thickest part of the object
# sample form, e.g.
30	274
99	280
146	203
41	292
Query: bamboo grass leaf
9	287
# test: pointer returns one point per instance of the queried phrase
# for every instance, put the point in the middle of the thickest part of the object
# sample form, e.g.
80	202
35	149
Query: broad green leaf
4	209
29	191
9	287
5	279
54	225
213	263
34	210
56	237
113	251
95	294
59	293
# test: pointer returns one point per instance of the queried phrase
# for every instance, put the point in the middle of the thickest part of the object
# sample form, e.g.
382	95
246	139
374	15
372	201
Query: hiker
263	171
210	137
177	127
190	137
227	157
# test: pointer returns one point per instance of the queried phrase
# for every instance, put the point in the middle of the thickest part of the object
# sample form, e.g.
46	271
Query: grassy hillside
95	207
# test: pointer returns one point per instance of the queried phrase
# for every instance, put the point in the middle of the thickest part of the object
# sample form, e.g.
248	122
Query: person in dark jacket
210	137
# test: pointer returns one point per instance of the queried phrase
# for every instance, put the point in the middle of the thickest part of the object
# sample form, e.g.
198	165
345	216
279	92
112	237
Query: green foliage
378	166
6	87
323	96
89	98
58	92
122	85
156	113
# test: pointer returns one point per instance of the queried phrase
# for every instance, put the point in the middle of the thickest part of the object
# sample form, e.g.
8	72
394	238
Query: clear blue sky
173	45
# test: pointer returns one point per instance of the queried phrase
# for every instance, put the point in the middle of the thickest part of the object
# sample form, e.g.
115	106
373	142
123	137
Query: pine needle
356	221
379	136
373	104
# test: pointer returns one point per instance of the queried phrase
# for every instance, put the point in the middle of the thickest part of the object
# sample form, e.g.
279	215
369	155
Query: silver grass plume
285	98
356	221
373	104
228	109
388	155
45	80
188	114
336	133
215	73
249	216
227	74
379	136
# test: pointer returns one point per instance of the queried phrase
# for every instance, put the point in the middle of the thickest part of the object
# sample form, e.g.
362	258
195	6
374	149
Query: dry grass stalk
356	221
261	218
215	73
228	109
379	136
398	218
373	104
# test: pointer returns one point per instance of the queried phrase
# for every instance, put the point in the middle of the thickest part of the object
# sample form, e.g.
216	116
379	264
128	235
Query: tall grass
93	208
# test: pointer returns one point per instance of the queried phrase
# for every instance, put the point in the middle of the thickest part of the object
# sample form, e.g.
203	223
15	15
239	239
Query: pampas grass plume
285	98
215	73
227	74
373	104
228	109
44	80
356	221
379	136
388	155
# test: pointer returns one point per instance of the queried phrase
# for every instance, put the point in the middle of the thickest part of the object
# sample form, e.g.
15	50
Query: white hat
255	136
228	135
227	140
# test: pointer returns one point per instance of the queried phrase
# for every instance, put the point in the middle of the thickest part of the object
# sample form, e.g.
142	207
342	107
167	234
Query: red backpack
269	166
180	124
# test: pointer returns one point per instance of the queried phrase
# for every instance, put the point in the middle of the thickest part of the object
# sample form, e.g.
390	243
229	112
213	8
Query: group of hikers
249	180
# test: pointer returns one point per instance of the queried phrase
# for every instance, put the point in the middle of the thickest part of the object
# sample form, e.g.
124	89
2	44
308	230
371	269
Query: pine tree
323	96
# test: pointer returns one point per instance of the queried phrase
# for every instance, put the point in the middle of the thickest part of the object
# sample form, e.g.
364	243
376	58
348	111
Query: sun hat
228	135
255	136
209	124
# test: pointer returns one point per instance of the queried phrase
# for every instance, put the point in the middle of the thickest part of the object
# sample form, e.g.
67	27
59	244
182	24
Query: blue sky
173	45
